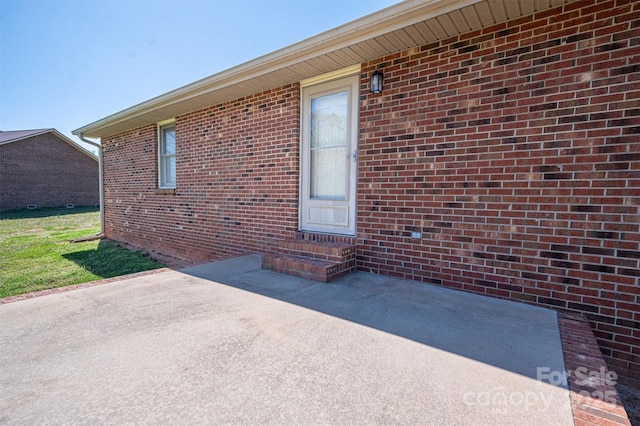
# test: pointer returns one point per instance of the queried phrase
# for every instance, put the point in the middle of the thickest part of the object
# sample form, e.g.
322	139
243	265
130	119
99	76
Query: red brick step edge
594	399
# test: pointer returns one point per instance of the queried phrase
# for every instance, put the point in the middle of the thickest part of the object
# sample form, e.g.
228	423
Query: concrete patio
229	343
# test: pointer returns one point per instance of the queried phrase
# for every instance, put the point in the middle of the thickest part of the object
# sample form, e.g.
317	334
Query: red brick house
501	157
44	168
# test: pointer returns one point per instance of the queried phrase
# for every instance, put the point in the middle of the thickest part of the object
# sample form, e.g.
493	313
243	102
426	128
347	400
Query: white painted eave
398	27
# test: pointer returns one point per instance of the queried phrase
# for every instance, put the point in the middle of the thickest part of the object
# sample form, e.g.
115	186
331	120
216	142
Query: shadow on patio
511	336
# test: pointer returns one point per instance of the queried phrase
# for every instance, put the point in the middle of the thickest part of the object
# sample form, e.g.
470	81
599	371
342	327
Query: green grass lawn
36	252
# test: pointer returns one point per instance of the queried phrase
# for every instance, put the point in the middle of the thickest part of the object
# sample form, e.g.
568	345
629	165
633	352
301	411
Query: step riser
306	268
325	238
324	251
312	259
320	256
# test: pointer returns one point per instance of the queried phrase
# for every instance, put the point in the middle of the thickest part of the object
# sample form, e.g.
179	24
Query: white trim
386	21
378	23
165	122
334	75
161	172
349	82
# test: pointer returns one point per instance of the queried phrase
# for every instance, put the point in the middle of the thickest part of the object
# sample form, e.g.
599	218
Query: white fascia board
386	20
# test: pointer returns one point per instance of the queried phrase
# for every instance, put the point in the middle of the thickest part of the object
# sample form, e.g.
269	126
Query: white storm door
329	156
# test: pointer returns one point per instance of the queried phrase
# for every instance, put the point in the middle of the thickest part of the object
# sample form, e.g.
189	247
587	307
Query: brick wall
46	171
515	150
237	180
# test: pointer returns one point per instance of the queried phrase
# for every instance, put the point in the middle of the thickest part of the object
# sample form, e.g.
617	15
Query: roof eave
298	59
395	16
57	134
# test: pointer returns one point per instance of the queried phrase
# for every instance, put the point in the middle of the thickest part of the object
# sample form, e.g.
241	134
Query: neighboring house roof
406	25
18	135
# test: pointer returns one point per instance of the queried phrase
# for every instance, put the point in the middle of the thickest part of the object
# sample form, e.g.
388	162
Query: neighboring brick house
501	157
43	168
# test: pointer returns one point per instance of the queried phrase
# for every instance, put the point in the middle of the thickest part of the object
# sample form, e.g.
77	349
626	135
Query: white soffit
402	26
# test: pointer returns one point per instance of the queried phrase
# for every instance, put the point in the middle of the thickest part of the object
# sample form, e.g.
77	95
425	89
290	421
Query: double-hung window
167	156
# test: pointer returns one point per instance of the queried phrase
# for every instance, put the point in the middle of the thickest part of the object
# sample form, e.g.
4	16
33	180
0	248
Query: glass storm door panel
329	144
329	156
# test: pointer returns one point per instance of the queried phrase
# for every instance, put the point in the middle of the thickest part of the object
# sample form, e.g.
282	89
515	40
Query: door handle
353	155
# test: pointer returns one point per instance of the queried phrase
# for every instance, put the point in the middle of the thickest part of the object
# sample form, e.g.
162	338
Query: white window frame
162	156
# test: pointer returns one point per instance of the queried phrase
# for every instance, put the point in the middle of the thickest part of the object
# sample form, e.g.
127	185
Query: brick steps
319	261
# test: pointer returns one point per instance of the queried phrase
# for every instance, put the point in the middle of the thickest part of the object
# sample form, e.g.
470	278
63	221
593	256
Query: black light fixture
376	81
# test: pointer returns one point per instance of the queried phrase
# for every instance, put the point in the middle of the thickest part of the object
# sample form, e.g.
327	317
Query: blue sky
67	63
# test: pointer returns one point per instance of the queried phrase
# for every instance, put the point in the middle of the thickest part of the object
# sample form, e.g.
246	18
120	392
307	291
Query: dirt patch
169	261
631	399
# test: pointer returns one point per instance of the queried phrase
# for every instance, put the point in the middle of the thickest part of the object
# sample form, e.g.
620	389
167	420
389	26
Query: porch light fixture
376	81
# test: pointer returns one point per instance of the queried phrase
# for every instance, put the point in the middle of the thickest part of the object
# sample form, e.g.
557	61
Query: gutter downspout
100	178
